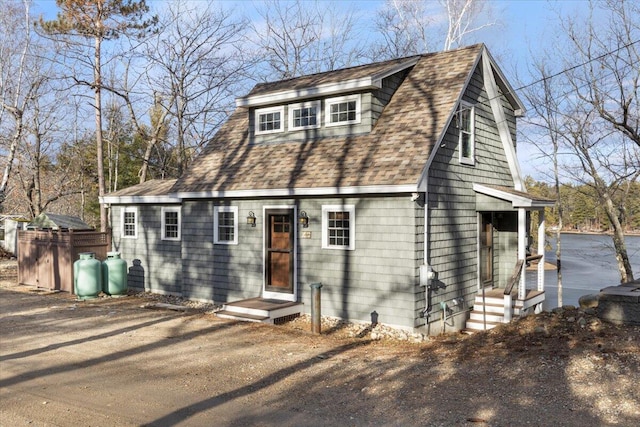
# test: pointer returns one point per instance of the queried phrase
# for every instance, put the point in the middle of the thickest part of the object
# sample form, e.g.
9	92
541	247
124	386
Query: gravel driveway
109	362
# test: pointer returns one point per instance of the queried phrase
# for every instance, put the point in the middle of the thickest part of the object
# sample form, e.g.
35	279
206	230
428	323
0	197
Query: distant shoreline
597	233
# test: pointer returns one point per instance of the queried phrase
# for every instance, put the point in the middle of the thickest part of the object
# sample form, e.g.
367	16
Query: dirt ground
110	362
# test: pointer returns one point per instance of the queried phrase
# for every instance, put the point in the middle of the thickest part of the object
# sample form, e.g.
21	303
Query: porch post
522	250
541	244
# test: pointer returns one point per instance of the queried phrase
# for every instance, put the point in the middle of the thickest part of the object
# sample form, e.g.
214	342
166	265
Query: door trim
265	230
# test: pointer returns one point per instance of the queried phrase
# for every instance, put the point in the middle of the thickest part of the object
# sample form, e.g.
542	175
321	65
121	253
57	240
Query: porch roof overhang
518	199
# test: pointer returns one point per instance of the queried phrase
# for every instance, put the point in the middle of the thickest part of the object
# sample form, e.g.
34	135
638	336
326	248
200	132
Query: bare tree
97	21
411	27
196	66
610	50
21	76
543	131
305	37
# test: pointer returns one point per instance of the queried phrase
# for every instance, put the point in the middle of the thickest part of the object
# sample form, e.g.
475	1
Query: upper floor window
342	110
269	120
304	115
466	129
338	227
129	221
225	225
171	223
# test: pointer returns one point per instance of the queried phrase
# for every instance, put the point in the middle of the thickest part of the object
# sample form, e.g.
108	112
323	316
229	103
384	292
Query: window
269	120
338	227
304	115
171	223
225	225
342	110
129	221
466	127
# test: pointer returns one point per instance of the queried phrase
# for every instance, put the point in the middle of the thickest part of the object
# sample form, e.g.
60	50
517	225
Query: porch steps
488	312
260	310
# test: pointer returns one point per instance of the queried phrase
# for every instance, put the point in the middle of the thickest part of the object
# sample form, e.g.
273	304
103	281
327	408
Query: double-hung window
342	110
269	120
171	223
305	115
466	129
225	225
129	221
338	227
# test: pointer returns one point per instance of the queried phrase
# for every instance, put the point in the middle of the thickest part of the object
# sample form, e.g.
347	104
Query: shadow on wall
135	276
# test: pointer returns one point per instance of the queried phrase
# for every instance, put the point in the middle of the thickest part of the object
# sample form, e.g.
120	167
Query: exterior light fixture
251	219
304	219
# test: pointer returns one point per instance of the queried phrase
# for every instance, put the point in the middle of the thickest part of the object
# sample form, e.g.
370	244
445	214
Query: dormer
336	103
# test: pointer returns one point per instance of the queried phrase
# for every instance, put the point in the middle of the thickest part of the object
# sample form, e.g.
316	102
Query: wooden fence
45	258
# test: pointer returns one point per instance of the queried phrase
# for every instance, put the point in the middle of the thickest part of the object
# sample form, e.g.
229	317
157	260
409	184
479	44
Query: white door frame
265	230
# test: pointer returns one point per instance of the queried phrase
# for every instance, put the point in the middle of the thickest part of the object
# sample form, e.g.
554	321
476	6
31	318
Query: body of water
588	265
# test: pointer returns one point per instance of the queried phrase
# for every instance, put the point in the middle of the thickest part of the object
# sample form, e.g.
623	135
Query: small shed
9	227
49	221
50	246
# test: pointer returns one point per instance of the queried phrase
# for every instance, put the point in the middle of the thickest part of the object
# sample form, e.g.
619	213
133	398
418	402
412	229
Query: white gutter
284	192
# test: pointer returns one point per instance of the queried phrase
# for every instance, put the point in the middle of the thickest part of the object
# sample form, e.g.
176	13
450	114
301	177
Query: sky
526	26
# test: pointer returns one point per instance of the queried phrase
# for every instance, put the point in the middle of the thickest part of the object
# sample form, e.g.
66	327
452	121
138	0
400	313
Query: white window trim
352	226
260	111
216	237
331	101
292	107
468	160
166	209
135	224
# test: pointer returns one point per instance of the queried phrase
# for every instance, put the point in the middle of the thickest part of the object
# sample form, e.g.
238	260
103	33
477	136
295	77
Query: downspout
425	256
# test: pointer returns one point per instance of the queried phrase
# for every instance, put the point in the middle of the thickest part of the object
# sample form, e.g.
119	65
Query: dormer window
304	115
269	120
342	110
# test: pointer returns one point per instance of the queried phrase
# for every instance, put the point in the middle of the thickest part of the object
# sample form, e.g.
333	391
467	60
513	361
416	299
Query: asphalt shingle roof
394	153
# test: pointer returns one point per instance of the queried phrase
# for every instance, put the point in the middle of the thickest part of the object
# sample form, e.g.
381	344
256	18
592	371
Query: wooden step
479	325
260	310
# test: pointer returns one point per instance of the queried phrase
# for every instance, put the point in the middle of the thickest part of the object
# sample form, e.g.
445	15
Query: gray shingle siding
160	268
453	237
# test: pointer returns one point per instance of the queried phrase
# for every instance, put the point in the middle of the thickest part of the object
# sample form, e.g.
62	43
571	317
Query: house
395	185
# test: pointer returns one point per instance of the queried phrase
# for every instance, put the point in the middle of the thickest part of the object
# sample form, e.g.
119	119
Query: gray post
315	307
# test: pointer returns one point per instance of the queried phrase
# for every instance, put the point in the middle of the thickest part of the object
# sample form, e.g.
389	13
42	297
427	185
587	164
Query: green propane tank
87	277
114	275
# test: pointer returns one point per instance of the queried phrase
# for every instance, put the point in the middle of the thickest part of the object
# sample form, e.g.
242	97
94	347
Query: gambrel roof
391	158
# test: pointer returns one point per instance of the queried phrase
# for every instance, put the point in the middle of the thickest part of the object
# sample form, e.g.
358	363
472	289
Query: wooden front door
279	251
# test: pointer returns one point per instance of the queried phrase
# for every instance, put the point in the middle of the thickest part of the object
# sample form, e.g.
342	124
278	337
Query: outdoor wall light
251	219
304	219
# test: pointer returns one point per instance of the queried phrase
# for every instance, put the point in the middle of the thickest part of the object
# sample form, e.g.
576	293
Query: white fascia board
373	81
516	200
520	109
377	78
239	194
289	192
139	200
321	90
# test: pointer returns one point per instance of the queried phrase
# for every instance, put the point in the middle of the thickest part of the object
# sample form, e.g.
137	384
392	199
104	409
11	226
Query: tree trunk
624	265
10	157
99	145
